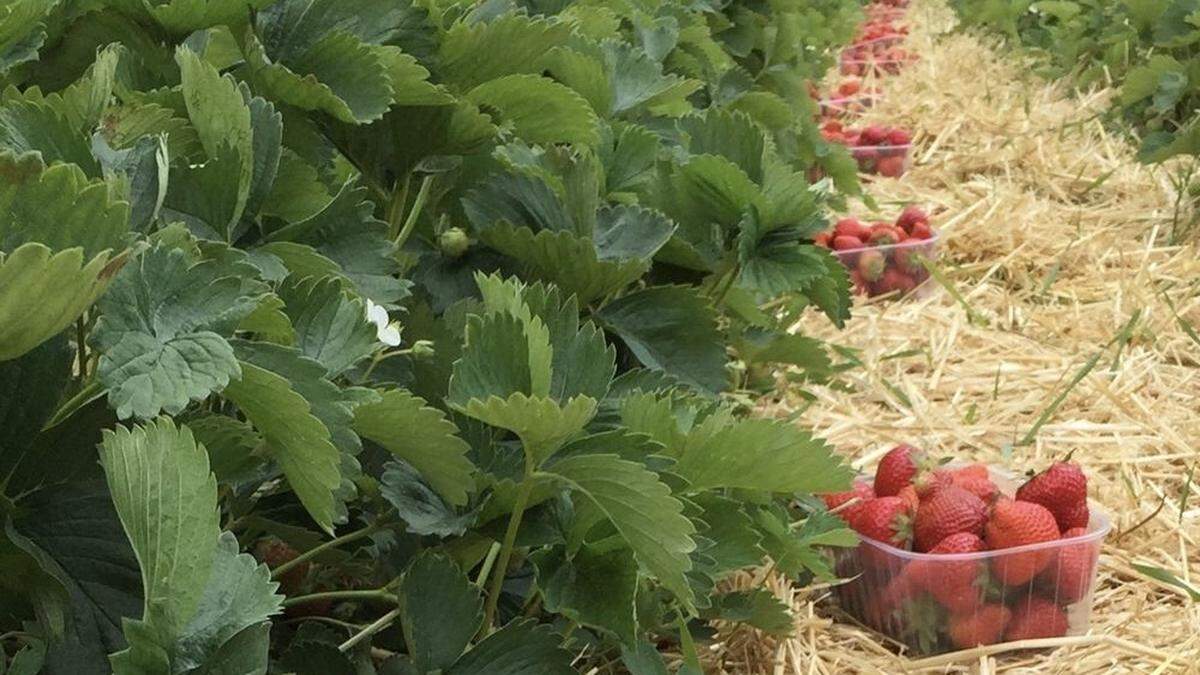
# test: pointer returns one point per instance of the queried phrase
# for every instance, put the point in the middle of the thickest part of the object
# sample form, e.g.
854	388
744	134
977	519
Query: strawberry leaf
594	588
642	510
330	325
475	52
538	109
441	610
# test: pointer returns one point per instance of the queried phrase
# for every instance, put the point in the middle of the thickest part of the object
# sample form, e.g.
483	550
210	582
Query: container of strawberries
884	257
878	149
958	556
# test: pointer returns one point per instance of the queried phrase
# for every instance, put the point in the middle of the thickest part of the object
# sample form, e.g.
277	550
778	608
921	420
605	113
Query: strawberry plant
351	336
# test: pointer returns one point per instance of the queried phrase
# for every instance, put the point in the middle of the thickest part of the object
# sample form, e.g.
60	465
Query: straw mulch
1052	236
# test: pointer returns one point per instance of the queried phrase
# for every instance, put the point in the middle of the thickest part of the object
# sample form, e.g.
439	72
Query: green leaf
638	82
30	388
709	189
239	595
1169	578
762	454
542	424
423	510
503	355
645	659
330	325
642	509
831	291
441	611
160	332
539	109
230	444
629	158
44	126
297	192
736	544
330	404
543	253
585	74
139	172
74	535
298	441
523	647
594	588
41	293
763	346
516	199
475	52
22	31
421	436
773	260
161	465
57	206
672	329
222	121
731	135
340	76
757	607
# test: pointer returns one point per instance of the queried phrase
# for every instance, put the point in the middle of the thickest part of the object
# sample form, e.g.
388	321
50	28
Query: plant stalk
410	223
377	595
506	548
318	550
376	626
81	349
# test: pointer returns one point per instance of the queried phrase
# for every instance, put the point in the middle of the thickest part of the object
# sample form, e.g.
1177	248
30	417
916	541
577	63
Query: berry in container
885	258
1010	564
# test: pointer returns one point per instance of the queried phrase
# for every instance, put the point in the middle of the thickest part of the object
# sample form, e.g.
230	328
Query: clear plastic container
882	160
847	105
872	66
934	604
901	271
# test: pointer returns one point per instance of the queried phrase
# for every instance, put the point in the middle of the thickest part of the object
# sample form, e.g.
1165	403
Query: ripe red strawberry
871	265
850	86
861	285
1063	490
1018	523
883	234
896	280
861	490
911	215
886	519
844	243
947	511
874	135
1036	618
921	231
973	478
822	239
851	227
897	469
899	137
984	626
955	584
931	481
890	167
909	494
1069	576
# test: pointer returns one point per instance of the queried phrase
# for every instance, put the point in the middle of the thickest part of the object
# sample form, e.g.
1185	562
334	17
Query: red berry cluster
972	597
883	257
877	148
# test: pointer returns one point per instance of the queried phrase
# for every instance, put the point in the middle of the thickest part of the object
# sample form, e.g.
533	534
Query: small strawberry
984	626
886	519
899	137
274	552
845	243
1036	618
1069	577
911	215
861	490
850	86
871	265
1063	490
896	280
890	167
884	235
947	511
874	135
851	227
921	231
897	469
955	584
1018	523
822	239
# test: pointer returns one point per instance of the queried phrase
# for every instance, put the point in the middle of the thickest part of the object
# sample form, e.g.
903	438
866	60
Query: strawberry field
403	337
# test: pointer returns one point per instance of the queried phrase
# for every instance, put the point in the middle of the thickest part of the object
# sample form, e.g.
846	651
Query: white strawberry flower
386	331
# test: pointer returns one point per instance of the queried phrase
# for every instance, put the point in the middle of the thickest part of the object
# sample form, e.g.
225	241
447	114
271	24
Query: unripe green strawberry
454	242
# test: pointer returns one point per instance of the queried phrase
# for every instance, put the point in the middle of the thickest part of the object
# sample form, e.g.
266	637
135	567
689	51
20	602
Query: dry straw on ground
1053	237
